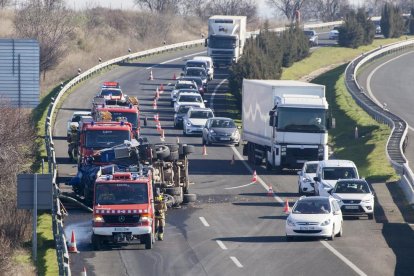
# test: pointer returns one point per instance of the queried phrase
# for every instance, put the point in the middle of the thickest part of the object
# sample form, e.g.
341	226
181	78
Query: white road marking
236	262
369	83
175	59
204	221
343	258
245	185
221	244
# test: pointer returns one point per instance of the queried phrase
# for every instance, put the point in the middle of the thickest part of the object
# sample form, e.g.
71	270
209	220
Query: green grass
231	109
368	151
325	56
46	254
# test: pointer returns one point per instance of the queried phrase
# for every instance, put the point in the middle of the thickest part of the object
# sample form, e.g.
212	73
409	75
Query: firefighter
73	142
160	212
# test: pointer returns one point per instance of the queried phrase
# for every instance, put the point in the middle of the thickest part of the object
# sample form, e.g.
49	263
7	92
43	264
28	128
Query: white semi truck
226	38
285	123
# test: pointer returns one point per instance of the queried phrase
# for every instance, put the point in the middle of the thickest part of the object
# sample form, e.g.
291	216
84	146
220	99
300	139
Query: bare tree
4	3
160	6
325	10
287	7
232	7
50	25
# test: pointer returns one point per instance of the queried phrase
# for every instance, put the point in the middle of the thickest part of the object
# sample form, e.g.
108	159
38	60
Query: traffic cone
162	135
232	160
83	273
162	88
159	126
72	244
286	210
270	191
174	77
154	104
151	77
178	140
157	117
157	94
254	178
204	150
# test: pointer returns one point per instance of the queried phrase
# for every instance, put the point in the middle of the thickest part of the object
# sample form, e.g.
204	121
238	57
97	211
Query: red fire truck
123	209
129	113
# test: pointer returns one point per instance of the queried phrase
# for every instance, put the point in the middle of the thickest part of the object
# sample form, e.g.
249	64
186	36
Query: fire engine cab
130	113
111	90
123	209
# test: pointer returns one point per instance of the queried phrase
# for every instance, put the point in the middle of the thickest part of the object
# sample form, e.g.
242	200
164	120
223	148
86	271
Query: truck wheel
173	147
96	242
173	156
174	191
162	151
188	149
188	198
148	241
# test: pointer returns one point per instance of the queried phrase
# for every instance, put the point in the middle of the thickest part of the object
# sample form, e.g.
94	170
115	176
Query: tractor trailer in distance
226	38
285	123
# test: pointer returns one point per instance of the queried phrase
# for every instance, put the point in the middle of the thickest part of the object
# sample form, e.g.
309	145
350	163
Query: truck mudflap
127	230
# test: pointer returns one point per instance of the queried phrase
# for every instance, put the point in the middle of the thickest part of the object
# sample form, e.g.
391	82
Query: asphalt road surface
238	231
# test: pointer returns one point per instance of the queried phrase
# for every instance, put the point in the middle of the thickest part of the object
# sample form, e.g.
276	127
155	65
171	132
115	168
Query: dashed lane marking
204	221
236	262
221	244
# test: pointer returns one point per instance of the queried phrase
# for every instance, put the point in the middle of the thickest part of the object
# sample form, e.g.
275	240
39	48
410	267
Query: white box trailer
226	38
284	122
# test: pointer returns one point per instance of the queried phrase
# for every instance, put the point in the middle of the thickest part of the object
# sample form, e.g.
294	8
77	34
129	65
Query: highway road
236	231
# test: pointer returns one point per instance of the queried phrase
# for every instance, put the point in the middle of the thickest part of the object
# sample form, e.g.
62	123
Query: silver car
221	130
306	184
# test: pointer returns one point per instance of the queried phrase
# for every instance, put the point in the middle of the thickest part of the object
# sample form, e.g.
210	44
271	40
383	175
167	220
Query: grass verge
46	258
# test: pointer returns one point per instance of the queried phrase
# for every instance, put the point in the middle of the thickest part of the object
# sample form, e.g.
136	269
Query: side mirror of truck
206	42
273	121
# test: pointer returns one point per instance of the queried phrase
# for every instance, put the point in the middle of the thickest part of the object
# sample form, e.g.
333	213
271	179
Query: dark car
196	72
202	88
178	116
221	130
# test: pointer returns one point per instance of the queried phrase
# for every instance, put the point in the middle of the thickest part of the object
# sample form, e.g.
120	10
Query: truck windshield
111	92
131	117
99	139
121	193
301	119
222	42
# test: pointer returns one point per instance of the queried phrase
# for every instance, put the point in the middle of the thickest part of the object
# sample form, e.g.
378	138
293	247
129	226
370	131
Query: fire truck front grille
116	219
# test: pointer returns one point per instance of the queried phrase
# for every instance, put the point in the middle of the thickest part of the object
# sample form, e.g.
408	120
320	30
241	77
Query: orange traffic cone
83	273
151	77
161	88
162	135
254	178
204	150
157	117
232	160
154	104
270	191
287	208
174	77
72	244
159	126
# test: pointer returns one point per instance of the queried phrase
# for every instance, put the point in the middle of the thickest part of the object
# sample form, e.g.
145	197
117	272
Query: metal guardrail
57	218
398	138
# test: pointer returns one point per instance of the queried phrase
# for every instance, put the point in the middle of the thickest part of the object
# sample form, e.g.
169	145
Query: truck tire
162	151
148	238
188	149
97	242
174	191
173	147
189	198
173	156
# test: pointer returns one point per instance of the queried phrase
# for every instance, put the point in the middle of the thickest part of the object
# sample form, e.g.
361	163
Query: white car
76	117
312	36
306	183
355	197
334	34
195	120
181	84
186	98
315	216
210	67
328	173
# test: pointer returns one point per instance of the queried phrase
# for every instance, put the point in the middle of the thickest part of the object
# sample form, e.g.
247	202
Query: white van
328	173
210	68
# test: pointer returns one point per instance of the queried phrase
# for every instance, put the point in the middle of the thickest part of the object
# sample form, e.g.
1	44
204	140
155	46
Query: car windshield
196	72
311	168
111	92
223	124
183	109
309	33
352	187
336	173
314	206
190	99
201	114
184	86
198	81
99	139
121	193
195	64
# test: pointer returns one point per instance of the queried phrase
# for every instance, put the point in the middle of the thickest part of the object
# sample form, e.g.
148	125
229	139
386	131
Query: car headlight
326	222
189	123
307	180
290	222
235	133
98	218
212	132
367	200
